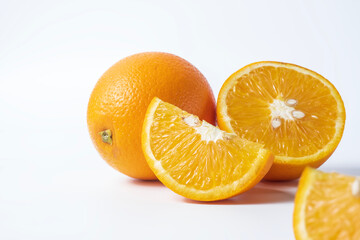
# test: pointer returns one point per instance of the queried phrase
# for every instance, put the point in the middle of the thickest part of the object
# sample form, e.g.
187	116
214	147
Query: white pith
284	110
280	110
355	187
207	131
192	121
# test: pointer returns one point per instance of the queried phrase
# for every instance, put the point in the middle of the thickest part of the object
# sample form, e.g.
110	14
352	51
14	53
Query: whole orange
118	104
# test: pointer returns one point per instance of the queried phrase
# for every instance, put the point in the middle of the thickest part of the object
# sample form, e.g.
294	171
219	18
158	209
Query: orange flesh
331	210
248	106
194	162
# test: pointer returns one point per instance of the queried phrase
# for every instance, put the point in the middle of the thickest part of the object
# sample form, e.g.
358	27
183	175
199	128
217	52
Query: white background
54	185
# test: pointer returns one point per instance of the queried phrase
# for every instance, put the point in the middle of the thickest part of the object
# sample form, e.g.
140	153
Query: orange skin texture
121	96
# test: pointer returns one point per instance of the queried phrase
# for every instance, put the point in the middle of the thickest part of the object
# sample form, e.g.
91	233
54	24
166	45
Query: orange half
198	160
294	112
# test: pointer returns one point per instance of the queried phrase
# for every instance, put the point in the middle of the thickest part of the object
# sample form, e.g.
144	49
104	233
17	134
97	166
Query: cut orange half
196	159
327	206
296	113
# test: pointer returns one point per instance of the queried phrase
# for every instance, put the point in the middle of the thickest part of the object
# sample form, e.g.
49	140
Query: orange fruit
296	113
196	159
327	206
120	98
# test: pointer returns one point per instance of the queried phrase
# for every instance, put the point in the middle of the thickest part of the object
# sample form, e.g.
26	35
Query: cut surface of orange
296	113
327	206
196	159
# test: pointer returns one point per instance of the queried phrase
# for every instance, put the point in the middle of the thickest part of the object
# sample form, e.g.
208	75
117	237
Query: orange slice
327	206
296	113
196	159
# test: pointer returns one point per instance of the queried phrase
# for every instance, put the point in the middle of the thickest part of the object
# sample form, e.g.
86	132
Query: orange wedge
327	206
196	159
296	113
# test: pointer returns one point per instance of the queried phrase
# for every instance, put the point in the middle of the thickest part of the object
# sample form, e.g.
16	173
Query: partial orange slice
327	206
296	113
196	159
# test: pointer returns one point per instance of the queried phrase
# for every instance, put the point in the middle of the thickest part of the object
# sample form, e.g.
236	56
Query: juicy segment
326	207
198	160
194	157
